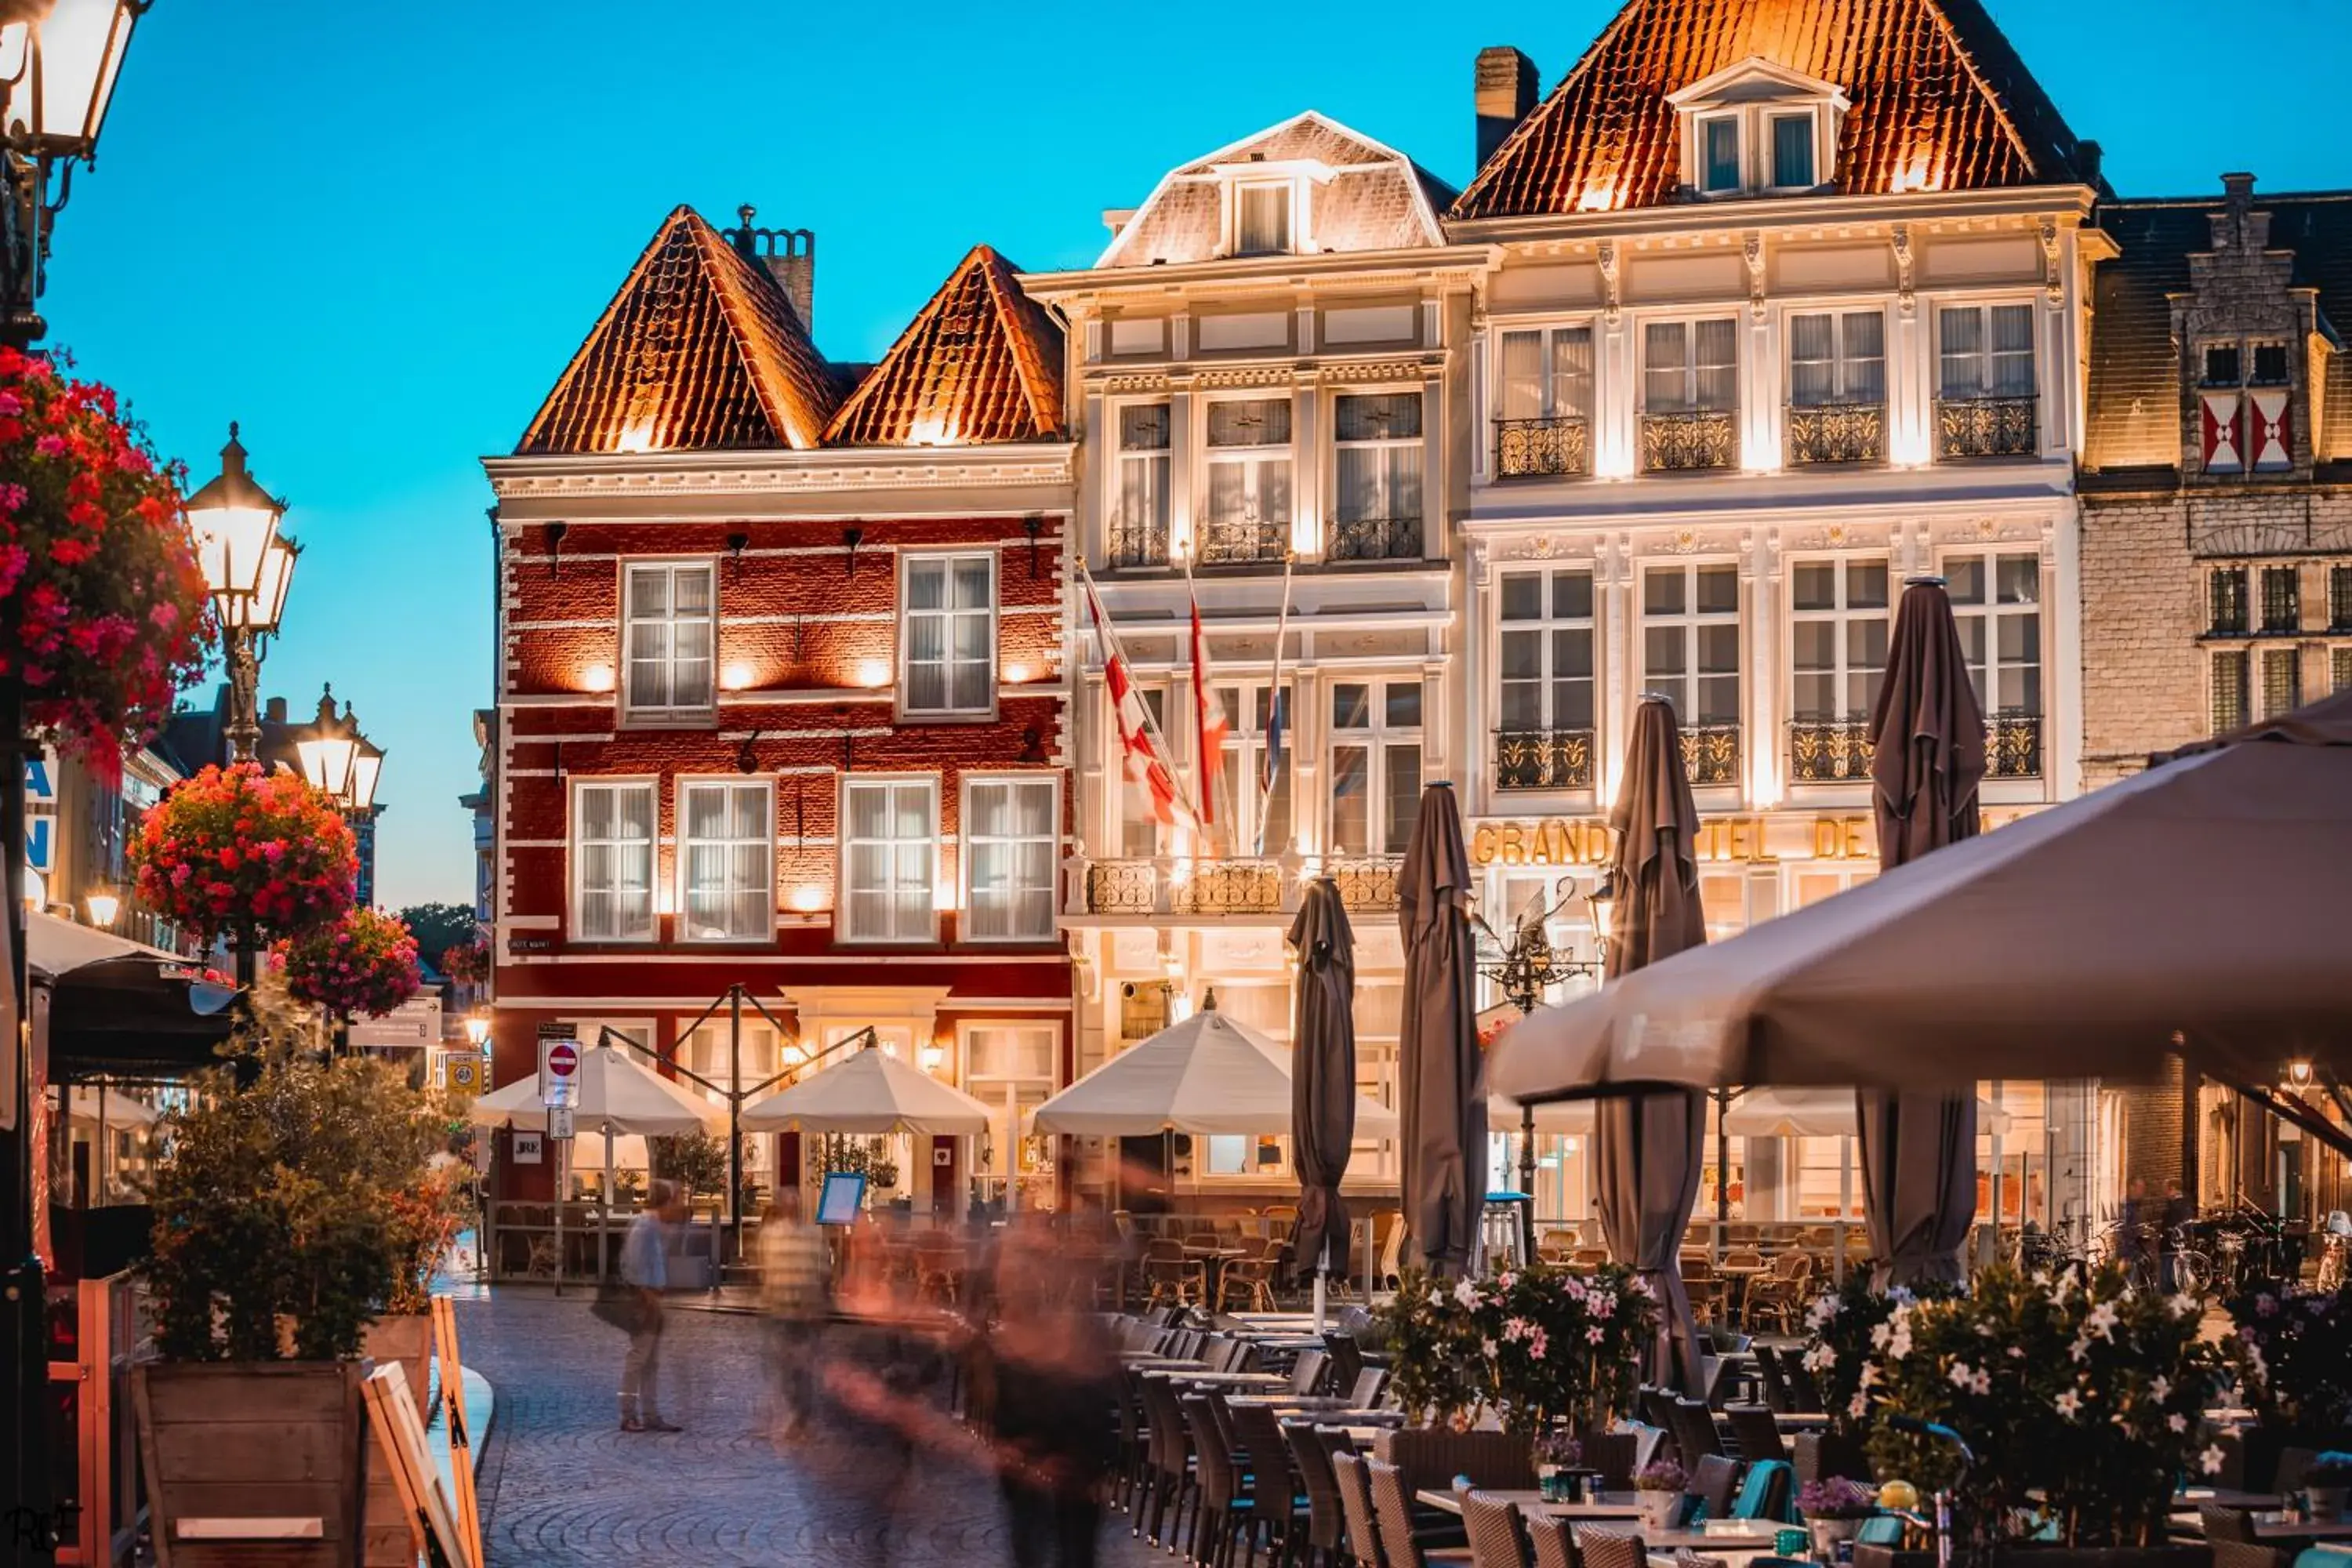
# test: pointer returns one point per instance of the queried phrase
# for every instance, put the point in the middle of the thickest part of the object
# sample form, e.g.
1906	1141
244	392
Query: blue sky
373	234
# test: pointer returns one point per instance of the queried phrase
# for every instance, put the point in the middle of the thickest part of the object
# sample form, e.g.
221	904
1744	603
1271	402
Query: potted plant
1558	1461
1659	1493
363	961
2082	1401
278	1239
1426	1327
1833	1510
2299	1343
2325	1482
240	853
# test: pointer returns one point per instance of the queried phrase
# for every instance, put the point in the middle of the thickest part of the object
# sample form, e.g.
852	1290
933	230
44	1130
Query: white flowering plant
2299	1343
2081	1400
1849	1327
1536	1346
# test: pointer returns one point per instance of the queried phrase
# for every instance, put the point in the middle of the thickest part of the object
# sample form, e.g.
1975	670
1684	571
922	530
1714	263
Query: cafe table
2278	1527
1220	1379
1619	1507
2223	1497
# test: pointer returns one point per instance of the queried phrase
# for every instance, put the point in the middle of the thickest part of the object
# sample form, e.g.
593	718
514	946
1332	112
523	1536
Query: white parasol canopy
1816	1114
121	1109
616	1095
1207	1075
871	1092
1571	1117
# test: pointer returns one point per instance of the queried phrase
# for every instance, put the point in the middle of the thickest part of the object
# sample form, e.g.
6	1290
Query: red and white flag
1145	760
1208	715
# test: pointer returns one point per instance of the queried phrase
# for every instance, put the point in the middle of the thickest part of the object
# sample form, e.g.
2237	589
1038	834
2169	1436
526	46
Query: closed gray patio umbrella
1927	759
1443	1111
1647	1146
1322	1080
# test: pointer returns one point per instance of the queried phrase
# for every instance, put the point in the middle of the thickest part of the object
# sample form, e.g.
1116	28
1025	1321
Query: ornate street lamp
338	760
59	60
478	1031
102	904
248	565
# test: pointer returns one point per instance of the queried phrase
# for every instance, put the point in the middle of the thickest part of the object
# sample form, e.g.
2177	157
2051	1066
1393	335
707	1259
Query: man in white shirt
644	1269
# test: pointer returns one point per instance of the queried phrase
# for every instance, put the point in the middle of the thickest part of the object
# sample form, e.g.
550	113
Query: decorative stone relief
1906	283
1751	250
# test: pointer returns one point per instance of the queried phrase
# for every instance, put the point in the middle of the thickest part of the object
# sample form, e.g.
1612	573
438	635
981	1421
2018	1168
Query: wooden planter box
391	1539
239	1455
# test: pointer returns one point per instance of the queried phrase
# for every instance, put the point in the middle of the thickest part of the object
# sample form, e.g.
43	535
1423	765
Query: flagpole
1276	710
1198	642
1110	635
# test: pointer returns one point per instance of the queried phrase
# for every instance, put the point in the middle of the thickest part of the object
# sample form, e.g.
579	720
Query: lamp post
58	64
248	565
345	765
102	904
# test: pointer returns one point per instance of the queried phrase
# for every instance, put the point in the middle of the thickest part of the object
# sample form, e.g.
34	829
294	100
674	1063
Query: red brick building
780	695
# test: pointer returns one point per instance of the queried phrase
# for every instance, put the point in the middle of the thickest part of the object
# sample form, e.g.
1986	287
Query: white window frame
1214	457
575	894
1545	625
1685	689
1238	191
1029	1089
1417	445
1841	361
1690	366
908	560
649	715
1994	612
968	841
842	907
1843	616
1123	458
1985	357
1549	398
1701	162
1237	820
1768	151
682	858
1378	741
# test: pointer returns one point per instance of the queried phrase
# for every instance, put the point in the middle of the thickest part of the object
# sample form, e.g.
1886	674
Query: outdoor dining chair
1805	1392
1219	1508
1393	1513
1250	1276
1767	1492
1307	1371
1496	1540
1658	1410
1755	1433
1362	1535
1554	1543
1366	1390
1776	1387
1611	1549
1173	1277
1710	1485
1312	1462
1783	1294
1694	1431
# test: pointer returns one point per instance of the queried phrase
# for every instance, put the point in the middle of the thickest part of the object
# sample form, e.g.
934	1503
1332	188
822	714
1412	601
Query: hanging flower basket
103	616
364	964
237	850
467	963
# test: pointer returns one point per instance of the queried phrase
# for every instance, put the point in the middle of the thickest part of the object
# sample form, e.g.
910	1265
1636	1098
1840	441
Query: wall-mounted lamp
747	761
2298	1072
934	1057
597	677
851	537
1033	526
555	533
1032	744
104	903
736	544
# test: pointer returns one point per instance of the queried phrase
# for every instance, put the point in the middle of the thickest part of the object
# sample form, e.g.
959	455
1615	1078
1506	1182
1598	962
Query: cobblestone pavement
561	1484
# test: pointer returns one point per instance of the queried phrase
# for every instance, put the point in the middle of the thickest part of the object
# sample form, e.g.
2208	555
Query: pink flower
50	447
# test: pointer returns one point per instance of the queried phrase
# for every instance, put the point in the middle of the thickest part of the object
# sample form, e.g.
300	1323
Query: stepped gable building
1788	302
2217	548
781	694
1267	365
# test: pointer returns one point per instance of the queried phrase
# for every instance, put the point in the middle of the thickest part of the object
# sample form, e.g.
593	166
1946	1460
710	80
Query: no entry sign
558	1064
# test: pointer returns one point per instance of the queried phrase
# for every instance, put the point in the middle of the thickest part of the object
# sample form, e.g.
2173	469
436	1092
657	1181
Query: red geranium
364	961
103	616
235	849
467	963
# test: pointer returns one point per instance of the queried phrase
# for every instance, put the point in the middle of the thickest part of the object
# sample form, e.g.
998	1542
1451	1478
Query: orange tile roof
699	349
982	362
1941	102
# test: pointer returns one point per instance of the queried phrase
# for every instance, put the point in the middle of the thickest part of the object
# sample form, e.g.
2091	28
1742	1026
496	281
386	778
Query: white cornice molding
1256	275
1778	215
847	470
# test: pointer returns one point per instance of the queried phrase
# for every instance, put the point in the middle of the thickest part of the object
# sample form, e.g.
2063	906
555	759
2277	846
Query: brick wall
2143	677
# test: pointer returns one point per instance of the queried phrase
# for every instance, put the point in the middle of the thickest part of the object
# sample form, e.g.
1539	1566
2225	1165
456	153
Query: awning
872	1092
121	1008
1207	1075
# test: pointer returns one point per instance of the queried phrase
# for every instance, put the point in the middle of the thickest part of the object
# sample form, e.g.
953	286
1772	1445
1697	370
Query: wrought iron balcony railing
1138	541
1711	753
1228	887
1988	427
1217	540
1367	884
1824	433
1376	538
1828	751
1207	888
1532	448
1543	759
2013	745
1677	443
1122	888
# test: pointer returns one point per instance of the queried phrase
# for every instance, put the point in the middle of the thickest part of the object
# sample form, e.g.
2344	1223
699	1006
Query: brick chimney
1506	91
790	256
2238	224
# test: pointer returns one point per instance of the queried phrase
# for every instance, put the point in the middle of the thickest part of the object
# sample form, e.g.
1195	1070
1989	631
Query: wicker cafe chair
1363	1535
1307	1371
1496	1540
1221	1511
1251	1277
1393	1513
1783	1294
1171	1276
1756	1431
1611	1549
1312	1461
1711	1484
1554	1543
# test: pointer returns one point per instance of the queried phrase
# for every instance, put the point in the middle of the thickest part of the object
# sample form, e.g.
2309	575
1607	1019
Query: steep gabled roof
982	362
699	351
1376	198
1940	102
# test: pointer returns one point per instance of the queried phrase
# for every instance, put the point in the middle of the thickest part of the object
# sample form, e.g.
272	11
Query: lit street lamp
102	904
58	66
248	565
338	760
478	1031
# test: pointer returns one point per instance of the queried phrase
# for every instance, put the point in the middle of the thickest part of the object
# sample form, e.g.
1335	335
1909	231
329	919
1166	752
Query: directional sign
559	1122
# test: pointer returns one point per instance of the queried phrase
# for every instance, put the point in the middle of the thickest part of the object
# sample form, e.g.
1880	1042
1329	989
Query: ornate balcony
1543	759
1227	540
1376	538
1229	887
1533	449
1121	887
1365	884
1832	433
1828	751
1137	541
1711	753
2013	745
1680	443
1988	427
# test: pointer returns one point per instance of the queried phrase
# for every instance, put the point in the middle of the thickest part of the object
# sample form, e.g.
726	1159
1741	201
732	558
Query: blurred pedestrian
644	1269
796	1282
1053	1393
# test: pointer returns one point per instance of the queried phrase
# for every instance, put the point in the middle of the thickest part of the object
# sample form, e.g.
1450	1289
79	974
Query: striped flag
1208	717
1145	760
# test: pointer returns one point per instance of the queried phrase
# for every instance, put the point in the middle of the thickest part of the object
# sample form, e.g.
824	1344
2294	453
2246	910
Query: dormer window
1262	219
1758	128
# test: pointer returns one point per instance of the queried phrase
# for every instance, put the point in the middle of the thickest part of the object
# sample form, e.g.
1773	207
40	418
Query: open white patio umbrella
1206	1076
1813	1113
872	1092
617	1096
